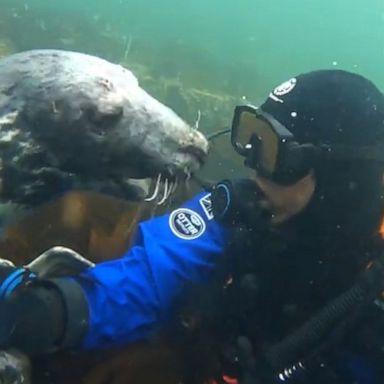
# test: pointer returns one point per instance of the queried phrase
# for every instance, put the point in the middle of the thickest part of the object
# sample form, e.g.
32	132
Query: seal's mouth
150	176
159	184
167	181
197	153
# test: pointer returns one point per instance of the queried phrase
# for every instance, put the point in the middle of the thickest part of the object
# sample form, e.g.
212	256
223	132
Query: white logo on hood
282	90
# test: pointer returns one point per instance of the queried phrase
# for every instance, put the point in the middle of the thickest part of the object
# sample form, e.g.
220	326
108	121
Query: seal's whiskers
165	193
156	190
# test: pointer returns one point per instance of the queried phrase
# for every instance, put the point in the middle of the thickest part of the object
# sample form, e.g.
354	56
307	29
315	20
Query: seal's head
70	120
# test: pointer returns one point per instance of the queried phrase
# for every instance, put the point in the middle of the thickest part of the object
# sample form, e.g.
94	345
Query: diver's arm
130	297
123	300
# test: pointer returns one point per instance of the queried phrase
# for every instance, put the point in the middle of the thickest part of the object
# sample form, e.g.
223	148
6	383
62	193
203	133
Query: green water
206	54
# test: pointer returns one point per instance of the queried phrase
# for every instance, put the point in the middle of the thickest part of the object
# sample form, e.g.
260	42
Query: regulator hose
295	346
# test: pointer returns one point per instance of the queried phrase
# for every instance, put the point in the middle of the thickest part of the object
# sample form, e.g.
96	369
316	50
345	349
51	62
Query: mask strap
344	152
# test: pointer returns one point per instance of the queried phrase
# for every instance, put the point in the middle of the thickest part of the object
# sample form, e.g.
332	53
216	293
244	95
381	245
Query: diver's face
285	201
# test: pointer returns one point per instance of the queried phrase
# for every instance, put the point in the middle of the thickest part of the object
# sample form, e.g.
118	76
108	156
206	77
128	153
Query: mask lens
253	136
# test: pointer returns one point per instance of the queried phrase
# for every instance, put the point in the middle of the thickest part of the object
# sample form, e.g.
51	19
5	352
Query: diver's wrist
12	277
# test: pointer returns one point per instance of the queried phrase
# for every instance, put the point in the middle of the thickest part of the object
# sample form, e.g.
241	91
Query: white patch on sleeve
206	204
186	224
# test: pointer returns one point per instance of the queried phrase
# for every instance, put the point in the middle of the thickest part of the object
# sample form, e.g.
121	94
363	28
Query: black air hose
293	347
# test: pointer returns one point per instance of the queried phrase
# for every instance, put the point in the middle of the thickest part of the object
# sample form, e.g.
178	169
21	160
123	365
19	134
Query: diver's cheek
285	201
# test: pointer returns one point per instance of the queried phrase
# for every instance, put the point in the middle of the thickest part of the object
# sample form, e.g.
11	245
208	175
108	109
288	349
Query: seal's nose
196	145
197	139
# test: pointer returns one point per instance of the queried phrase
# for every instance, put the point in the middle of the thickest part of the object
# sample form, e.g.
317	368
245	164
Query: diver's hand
5	267
11	277
7	321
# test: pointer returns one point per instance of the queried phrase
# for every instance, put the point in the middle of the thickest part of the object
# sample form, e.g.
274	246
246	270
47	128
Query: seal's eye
106	84
103	120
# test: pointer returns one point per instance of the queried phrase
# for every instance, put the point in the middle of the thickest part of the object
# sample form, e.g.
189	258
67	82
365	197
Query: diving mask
271	149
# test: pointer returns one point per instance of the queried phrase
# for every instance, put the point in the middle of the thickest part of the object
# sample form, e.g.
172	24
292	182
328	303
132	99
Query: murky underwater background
206	55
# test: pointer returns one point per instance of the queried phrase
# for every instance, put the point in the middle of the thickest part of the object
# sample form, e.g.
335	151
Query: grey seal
74	121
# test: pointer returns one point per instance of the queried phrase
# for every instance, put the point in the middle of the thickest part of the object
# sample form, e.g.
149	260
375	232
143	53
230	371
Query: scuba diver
289	260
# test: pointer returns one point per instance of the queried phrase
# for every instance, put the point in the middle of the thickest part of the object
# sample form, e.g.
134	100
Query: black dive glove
237	202
11	279
39	315
7	321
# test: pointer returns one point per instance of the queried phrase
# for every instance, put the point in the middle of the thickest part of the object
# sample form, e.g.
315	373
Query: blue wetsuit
130	297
